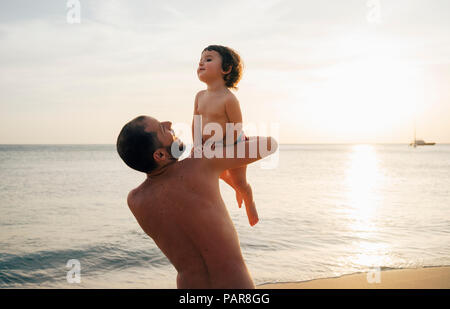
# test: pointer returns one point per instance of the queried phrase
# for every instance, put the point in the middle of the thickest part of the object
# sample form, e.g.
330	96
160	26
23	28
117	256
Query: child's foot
250	206
252	214
239	198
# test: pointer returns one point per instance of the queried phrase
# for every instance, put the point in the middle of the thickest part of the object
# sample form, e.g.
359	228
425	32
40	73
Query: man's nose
168	124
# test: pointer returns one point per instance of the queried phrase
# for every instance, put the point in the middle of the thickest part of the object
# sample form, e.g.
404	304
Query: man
180	207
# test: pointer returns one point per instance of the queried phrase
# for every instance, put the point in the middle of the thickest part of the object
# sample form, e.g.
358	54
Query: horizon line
285	144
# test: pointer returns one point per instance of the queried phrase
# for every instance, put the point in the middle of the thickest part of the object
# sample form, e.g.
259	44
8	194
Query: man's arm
254	149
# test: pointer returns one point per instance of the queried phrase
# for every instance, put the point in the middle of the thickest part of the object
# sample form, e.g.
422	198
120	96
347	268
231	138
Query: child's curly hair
229	58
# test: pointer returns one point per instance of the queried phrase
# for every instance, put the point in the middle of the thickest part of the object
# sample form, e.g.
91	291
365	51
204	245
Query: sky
350	71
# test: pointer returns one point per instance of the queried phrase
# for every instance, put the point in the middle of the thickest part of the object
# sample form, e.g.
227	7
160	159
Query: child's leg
225	176
239	179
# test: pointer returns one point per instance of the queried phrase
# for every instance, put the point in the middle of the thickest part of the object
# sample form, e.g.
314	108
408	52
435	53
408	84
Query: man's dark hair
229	58
136	146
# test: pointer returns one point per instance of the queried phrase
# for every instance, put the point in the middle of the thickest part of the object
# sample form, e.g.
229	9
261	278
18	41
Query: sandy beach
421	278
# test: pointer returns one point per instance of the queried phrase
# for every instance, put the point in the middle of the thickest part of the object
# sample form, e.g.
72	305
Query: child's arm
234	113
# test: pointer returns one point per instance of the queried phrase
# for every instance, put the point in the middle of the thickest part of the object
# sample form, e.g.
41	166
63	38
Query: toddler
220	68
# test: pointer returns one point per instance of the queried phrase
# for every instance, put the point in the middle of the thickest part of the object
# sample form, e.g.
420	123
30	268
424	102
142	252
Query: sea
325	210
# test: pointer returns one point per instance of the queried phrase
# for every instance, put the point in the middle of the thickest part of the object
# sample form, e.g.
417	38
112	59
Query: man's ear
160	154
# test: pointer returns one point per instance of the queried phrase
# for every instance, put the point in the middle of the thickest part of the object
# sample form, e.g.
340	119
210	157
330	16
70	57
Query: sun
373	93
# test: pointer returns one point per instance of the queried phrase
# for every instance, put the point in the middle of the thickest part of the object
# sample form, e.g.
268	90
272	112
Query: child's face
210	66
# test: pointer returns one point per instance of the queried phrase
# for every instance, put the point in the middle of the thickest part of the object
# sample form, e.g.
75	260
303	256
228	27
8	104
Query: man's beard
176	149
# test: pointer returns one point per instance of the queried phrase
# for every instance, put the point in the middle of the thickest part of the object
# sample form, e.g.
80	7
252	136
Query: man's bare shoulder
196	169
136	195
133	198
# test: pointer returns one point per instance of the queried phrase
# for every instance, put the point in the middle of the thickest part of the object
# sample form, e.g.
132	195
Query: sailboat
419	142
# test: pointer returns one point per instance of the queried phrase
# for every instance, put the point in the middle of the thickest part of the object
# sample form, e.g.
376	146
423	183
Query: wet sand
420	278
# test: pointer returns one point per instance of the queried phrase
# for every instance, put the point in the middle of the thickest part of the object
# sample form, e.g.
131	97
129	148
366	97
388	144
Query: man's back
184	214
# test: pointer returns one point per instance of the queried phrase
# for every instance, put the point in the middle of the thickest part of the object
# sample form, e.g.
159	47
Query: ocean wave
48	266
